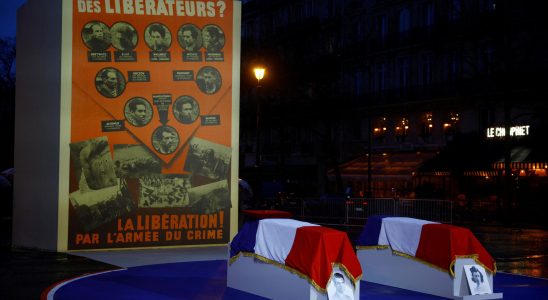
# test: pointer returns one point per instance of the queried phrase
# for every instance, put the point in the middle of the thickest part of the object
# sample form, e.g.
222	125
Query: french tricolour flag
437	244
306	248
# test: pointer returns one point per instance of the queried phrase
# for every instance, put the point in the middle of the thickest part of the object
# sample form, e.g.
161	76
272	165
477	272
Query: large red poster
151	123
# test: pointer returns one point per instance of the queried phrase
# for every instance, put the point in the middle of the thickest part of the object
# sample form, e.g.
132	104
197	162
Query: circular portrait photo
213	38
165	139
123	36
110	82
158	37
209	80
189	37
186	109
96	36
138	111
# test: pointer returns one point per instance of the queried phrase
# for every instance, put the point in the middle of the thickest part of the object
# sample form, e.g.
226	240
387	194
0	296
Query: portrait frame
177	113
339	286
219	43
180	38
99	82
167	38
127	111
202	83
156	139
128	39
483	287
87	35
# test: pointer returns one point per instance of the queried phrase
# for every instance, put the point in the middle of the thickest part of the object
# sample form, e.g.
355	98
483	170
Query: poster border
234	175
65	126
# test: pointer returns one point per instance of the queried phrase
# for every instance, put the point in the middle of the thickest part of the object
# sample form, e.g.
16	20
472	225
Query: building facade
347	80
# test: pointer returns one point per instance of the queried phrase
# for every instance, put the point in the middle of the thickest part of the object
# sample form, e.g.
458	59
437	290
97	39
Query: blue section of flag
370	234
245	240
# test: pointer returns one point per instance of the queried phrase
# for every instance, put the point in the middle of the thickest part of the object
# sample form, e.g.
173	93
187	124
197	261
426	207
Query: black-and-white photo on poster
110	82
165	191
213	38
96	207
209	80
210	198
138	111
135	161
165	139
96	36
190	37
186	109
124	36
92	164
158	37
208	159
477	280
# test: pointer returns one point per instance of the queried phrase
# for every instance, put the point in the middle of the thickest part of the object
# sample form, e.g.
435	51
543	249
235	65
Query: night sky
8	11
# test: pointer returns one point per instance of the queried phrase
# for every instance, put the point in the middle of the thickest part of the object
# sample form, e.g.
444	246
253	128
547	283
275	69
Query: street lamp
259	74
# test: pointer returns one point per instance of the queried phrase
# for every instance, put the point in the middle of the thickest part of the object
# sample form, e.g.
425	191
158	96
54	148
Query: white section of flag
275	238
402	234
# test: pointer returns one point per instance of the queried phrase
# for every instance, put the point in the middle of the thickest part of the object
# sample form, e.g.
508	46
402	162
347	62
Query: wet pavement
516	250
26	273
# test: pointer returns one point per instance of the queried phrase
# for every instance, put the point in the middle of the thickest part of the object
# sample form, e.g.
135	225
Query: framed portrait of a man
186	109
138	111
110	82
96	36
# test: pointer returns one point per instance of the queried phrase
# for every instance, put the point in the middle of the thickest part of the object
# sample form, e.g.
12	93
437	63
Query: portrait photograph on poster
158	37
110	82
96	36
189	37
213	38
209	80
164	191
135	161
138	111
92	164
340	287
477	280
96	207
124	36
210	198
208	159
186	109
165	139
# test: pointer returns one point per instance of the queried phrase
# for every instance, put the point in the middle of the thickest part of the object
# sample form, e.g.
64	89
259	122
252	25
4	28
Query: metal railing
355	211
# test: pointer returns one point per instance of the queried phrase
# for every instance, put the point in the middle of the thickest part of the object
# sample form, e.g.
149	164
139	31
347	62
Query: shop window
450	126
426	126
402	129
379	129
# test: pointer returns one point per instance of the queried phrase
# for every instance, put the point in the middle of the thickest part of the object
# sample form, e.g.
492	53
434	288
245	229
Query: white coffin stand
267	280
383	267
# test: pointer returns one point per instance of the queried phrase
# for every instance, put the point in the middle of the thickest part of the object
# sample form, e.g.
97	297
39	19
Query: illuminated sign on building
493	132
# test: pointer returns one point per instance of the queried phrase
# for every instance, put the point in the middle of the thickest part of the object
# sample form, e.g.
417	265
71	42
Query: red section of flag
441	244
316	249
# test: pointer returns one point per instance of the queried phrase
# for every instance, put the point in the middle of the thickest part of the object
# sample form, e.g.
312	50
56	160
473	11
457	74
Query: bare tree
7	99
7	64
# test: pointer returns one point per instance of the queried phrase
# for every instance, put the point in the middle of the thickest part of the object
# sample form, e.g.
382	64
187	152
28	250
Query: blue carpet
207	280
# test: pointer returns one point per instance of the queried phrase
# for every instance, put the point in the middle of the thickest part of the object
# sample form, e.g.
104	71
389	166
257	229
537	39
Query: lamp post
259	74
